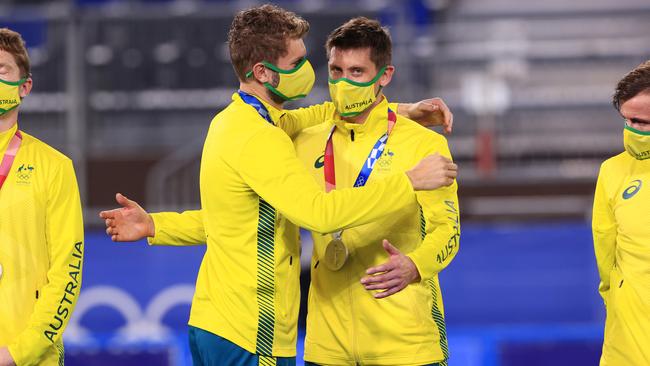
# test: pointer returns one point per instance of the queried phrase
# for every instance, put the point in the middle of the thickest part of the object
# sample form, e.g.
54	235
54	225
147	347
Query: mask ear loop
380	86
250	73
379	90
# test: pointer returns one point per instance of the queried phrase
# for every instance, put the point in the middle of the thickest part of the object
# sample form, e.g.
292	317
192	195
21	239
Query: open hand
392	276
431	112
128	223
432	172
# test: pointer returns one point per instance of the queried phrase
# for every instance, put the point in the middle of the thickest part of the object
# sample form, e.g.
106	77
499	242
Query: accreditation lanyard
255	103
368	166
10	154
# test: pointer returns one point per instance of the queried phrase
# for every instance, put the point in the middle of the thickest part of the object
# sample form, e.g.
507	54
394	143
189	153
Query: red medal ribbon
10	154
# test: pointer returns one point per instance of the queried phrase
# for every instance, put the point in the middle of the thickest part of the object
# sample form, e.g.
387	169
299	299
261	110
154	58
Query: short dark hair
635	82
13	43
262	34
362	32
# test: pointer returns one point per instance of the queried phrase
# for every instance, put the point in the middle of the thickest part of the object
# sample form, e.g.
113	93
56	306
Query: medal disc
336	254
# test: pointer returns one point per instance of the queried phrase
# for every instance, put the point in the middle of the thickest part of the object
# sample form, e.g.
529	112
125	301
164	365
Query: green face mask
10	95
350	97
637	143
295	83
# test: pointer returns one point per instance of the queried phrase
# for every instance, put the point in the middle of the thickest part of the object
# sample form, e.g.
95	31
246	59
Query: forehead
350	56
296	48
7	59
638	106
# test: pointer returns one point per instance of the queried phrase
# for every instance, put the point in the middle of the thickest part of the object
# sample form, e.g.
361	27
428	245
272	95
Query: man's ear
385	79
26	87
261	73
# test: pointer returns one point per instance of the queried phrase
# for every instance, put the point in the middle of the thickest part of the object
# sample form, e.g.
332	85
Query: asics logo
630	191
320	161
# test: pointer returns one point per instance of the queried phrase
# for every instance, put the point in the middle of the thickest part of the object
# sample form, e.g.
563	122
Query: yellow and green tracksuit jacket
41	251
621	230
345	323
252	185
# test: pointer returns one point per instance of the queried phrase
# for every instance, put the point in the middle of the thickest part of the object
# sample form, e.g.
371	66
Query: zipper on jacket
355	349
352	135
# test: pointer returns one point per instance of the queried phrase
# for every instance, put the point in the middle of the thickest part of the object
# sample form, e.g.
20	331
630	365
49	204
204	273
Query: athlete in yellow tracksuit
345	323
621	229
41	228
247	289
41	251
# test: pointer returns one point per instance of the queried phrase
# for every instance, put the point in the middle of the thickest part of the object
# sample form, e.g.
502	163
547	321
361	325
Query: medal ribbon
10	154
368	166
255	103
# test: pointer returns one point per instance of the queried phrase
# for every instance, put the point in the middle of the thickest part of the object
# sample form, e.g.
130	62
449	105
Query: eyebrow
361	67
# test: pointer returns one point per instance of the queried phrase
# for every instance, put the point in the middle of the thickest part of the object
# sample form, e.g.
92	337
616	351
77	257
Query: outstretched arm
427	112
281	179
131	223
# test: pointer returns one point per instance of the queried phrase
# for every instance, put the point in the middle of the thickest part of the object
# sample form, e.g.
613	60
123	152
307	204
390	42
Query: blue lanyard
255	103
374	155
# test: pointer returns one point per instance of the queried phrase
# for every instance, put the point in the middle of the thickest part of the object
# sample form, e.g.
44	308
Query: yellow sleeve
57	299
182	229
604	232
269	165
296	120
440	225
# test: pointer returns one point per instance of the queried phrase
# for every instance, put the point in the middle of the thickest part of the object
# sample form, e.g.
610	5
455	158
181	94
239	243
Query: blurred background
127	88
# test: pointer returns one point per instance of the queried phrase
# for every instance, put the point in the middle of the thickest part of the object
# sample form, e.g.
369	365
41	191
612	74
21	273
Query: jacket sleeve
182	229
57	299
440	225
604	233
296	120
281	179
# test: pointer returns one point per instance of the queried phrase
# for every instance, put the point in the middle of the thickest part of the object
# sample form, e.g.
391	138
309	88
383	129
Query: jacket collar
5	137
275	113
376	123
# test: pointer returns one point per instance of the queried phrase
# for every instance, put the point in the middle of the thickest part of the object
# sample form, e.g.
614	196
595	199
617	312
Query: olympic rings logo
140	325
